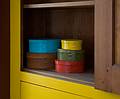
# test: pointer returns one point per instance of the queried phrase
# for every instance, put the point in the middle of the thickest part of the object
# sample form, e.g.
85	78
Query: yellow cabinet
30	91
35	86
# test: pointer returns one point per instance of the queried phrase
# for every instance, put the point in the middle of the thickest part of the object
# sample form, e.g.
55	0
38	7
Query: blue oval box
44	45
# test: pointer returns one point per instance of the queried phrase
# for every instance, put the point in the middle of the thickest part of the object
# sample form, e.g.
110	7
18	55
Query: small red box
69	66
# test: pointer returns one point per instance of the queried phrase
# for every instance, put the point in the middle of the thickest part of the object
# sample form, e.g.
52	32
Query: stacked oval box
42	53
70	59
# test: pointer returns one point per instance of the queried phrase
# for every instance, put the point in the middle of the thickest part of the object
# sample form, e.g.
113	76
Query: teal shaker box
44	45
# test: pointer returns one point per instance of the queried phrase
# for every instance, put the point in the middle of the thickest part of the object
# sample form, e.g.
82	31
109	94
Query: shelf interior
61	23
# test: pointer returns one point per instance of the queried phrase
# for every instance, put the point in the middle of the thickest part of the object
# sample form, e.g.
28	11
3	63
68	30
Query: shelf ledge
63	4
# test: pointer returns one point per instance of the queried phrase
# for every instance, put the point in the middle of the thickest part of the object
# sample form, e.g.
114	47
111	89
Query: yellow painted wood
14	49
67	86
57	84
29	91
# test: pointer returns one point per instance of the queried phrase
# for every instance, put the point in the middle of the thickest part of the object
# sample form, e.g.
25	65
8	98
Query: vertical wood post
103	43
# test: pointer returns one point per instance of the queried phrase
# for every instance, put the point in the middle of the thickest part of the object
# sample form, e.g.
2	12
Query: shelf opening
60	23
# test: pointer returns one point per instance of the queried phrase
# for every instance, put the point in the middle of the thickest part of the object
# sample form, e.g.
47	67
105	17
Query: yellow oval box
71	44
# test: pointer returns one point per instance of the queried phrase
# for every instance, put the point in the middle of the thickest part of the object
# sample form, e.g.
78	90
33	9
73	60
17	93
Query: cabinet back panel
64	23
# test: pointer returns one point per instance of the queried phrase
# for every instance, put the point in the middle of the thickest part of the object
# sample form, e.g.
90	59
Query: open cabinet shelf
94	25
61	4
60	20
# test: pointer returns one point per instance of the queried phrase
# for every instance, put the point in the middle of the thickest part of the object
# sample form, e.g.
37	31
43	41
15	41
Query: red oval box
69	66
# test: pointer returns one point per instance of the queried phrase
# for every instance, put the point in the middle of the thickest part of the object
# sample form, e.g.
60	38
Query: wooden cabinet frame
104	41
107	73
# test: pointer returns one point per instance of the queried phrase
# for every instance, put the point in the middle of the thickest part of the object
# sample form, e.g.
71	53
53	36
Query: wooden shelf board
86	78
61	4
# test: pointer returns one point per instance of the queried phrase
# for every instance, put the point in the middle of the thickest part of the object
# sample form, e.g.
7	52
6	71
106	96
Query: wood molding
4	49
116	66
117	31
103	43
64	4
